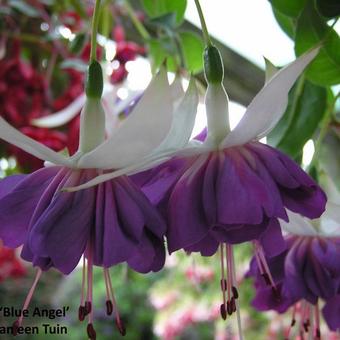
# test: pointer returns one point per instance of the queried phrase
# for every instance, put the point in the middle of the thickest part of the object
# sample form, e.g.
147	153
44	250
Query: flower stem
136	22
206	36
94	30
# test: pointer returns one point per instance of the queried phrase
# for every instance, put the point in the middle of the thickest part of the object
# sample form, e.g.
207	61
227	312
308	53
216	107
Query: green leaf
286	23
24	8
166	21
311	29
156	8
78	43
192	47
307	105
291	8
161	50
329	159
328	8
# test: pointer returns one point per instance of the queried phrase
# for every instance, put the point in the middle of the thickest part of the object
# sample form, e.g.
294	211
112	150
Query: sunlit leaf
291	8
312	29
192	47
156	8
307	105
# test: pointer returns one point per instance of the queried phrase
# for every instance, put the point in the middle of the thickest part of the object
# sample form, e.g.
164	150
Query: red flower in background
10	265
125	51
22	90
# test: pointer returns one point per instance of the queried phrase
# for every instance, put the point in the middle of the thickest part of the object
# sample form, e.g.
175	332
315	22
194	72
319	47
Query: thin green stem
136	22
206	36
94	30
323	130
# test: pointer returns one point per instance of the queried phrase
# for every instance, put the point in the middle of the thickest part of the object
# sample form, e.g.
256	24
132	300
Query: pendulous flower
306	272
109	224
232	188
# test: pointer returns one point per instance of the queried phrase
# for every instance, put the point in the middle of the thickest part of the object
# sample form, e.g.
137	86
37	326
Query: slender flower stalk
94	30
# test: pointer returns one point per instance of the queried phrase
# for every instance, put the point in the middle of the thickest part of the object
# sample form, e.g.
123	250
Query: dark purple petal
265	300
239	233
241	195
157	182
17	207
63	229
149	255
186	217
128	228
111	244
272	240
8	183
331	313
207	246
300	193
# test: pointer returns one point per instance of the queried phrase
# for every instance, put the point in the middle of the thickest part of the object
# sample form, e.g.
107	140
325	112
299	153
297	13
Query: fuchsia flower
305	273
109	224
232	188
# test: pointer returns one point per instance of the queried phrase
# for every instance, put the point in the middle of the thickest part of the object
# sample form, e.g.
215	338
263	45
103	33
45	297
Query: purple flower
232	188
309	270
111	223
108	224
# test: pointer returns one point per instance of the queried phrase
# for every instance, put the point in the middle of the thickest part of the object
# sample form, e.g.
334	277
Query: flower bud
94	80
213	65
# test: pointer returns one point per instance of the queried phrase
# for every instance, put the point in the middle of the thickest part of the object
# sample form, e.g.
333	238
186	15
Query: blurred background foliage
44	47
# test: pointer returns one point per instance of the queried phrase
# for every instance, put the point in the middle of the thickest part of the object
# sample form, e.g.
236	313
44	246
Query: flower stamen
111	298
28	299
223	284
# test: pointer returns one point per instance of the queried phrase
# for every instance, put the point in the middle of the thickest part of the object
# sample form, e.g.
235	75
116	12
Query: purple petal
17	207
272	240
8	183
187	224
62	231
331	313
240	193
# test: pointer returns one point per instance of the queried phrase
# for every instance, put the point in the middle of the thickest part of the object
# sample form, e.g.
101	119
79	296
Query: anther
233	304
305	326
229	307
266	279
91	332
223	311
235	292
109	307
15	327
88	307
81	313
293	323
318	333
276	293
223	284
121	327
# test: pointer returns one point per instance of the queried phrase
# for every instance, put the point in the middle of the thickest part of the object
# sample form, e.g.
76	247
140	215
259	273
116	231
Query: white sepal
298	225
11	135
92	125
183	121
269	104
63	116
140	133
330	220
216	103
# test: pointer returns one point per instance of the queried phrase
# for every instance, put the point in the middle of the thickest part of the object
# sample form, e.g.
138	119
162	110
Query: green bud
213	65
94	80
